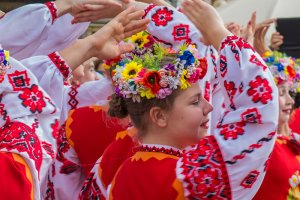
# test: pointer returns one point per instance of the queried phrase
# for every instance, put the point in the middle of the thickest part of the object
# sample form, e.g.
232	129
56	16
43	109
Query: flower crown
152	71
283	68
4	64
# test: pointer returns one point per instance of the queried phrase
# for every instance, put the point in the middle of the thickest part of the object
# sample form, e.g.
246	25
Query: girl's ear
158	116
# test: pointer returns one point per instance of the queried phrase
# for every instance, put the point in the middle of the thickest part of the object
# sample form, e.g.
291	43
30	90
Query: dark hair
138	111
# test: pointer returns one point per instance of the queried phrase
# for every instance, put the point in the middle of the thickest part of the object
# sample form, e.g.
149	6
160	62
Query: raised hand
259	37
207	20
107	40
276	40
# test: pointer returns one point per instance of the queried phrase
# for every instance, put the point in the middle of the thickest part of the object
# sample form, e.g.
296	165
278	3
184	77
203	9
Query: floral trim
141	75
73	102
61	65
203	172
4	63
159	148
53	10
251	148
294	191
284	68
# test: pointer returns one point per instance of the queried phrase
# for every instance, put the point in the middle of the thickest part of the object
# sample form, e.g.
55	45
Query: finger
190	11
92	7
136	24
136	15
132	32
253	21
103	2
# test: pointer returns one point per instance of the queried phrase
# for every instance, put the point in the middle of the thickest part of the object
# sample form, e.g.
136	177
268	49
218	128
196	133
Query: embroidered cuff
53	10
61	65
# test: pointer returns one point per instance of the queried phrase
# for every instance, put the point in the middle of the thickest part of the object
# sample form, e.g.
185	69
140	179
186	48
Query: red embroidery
250	179
256	61
148	9
251	116
223	65
3	112
170	151
260	90
48	148
73	102
162	16
55	129
60	64
204	171
231	91
68	167
90	189
251	148
50	190
181	32
232	130
207	91
52	9
19	80
20	137
33	98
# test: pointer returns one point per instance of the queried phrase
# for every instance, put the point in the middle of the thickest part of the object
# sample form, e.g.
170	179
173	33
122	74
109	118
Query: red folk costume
282	179
218	166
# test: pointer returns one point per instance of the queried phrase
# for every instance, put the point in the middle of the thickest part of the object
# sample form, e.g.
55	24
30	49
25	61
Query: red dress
282	180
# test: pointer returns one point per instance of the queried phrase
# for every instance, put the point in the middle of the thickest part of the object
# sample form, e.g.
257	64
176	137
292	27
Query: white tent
241	10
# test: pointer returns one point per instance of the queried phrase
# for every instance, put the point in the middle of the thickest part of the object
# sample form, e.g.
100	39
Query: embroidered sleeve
231	163
88	94
38	35
172	28
52	9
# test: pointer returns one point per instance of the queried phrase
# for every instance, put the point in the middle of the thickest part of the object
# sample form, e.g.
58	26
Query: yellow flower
184	83
140	39
147	93
131	70
6	53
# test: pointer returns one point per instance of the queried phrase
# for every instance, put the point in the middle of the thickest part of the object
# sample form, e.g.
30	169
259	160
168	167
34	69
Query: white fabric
28	31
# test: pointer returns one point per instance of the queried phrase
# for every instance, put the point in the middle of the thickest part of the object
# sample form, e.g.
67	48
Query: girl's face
188	118
286	103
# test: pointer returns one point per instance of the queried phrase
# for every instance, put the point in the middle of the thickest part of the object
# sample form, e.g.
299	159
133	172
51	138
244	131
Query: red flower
207	182
151	81
33	98
232	130
203	67
162	16
260	90
291	71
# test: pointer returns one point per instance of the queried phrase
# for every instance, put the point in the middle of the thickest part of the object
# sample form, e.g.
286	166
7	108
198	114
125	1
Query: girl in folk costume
121	148
282	180
160	93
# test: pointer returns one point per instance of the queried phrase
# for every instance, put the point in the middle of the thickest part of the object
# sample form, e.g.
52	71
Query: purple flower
163	93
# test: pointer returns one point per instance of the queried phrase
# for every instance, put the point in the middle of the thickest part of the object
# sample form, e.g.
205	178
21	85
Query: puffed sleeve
231	163
34	29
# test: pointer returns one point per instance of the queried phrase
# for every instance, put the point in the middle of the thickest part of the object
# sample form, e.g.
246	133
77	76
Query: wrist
63	7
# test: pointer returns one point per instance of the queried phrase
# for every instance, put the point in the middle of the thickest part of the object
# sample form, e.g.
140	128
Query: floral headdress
141	73
4	64
284	68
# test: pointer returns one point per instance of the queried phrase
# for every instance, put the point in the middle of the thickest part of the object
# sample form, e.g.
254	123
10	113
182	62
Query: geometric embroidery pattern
181	32
250	179
19	80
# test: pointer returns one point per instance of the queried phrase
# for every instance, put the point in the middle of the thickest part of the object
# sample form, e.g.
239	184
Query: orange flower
203	67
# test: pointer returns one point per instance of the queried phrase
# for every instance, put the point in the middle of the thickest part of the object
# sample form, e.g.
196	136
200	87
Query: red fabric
92	130
114	156
13	181
147	180
283	165
295	121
